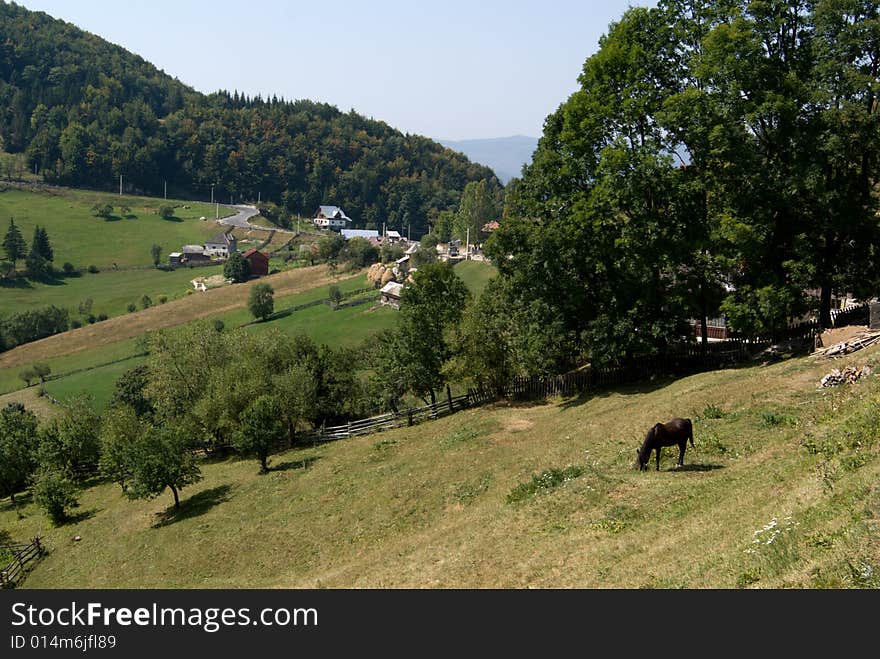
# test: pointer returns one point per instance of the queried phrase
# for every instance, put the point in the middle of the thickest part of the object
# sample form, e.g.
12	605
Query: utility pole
212	193
120	185
258	196
166	189
217	217
467	244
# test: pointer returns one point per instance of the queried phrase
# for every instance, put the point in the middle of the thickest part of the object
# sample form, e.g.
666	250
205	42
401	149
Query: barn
258	261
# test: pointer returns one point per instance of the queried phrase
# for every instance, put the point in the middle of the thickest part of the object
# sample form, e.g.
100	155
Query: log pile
846	347
849	374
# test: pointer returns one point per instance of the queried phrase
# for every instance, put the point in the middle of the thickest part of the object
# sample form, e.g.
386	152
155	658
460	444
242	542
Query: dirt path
177	312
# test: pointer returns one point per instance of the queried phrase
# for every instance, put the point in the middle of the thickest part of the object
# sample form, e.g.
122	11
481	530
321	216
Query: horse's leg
681	449
658	457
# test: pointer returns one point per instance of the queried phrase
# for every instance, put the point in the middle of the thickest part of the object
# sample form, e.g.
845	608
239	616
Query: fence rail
17	568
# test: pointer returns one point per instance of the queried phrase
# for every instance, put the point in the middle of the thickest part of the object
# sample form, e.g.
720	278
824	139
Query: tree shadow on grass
81	516
15	282
197	504
22	499
173	218
305	463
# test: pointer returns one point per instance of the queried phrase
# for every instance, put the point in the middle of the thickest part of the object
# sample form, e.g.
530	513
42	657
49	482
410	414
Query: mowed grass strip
426	506
78	237
178	312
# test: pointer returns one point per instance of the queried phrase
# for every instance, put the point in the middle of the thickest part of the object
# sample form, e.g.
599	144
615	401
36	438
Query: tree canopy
717	157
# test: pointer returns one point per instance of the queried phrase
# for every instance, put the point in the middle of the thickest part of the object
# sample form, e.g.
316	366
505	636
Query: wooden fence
17	568
407	417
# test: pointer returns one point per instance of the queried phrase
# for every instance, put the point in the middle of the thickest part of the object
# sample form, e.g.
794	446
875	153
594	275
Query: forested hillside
86	112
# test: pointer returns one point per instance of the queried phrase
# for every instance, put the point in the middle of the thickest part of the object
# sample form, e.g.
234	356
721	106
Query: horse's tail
691	434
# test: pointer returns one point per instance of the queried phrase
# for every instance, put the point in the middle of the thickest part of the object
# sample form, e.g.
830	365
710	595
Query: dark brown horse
677	431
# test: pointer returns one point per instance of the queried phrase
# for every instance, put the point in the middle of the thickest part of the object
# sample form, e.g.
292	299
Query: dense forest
85	112
718	157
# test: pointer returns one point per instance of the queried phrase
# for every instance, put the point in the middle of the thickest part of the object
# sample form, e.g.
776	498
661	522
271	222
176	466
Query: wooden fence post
449	398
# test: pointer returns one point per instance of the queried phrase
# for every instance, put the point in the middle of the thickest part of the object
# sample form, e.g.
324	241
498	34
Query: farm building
331	217
258	261
221	245
192	254
366	234
391	294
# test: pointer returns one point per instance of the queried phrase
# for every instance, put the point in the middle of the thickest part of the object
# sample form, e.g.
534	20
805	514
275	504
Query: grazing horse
677	431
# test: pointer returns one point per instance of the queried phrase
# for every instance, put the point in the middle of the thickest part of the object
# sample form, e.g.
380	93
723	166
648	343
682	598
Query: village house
391	294
258	261
331	217
221	245
366	234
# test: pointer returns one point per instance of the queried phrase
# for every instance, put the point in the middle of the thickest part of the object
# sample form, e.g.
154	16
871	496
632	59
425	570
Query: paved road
241	217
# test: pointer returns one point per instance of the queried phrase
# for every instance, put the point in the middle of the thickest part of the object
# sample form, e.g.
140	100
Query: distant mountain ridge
505	155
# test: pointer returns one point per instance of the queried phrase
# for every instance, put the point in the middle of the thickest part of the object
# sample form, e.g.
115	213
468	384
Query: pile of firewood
856	343
849	375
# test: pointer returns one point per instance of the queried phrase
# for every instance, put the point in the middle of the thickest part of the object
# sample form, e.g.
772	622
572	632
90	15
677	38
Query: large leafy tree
69	443
412	356
18	448
160	458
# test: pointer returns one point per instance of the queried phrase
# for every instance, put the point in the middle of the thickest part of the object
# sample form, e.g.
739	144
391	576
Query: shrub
42	370
91	318
75	324
55	494
146	302
261	302
102	210
28	375
132	307
68	268
163	299
219	325
102	316
166	211
93	269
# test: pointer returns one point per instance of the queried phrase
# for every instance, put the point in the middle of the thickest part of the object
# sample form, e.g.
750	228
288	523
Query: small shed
391	294
174	258
258	261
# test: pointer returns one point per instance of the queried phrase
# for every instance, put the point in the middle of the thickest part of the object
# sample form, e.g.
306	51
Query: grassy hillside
124	238
780	491
475	274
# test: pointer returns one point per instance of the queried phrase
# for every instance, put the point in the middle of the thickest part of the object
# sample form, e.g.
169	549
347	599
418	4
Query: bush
102	316
42	370
132	307
219	325
75	324
91	318
166	211
55	494
146	302
93	269
261	302
163	299
28	375
68	268
237	268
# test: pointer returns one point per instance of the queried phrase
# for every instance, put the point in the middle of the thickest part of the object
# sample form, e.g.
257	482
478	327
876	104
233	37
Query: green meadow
780	491
111	291
125	238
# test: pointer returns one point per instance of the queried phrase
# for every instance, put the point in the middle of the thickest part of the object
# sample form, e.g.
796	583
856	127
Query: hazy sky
451	69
